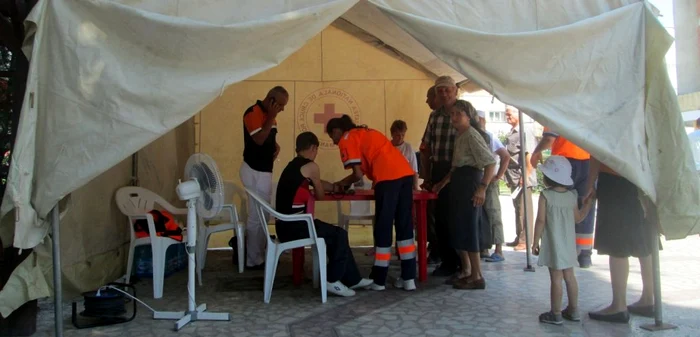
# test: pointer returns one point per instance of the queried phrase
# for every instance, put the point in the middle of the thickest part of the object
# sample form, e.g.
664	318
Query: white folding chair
275	248
135	203
359	210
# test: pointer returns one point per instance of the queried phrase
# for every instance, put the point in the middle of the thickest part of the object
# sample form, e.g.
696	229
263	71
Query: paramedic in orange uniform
580	162
369	152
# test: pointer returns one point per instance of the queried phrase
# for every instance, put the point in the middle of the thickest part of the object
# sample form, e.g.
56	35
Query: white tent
109	77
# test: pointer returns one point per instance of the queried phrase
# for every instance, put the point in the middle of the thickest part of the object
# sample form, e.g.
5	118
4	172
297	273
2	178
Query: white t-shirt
407	151
495	146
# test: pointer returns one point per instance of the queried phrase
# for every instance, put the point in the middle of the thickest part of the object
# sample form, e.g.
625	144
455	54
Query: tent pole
659	324
57	287
523	191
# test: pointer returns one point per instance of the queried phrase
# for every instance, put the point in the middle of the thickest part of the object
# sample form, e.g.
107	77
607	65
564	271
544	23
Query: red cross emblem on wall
328	114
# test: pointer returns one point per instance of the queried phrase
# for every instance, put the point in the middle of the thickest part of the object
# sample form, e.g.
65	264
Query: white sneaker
375	287
339	289
364	283
408	285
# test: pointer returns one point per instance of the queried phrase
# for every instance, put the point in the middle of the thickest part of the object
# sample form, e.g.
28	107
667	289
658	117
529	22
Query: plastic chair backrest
264	207
135	202
235	195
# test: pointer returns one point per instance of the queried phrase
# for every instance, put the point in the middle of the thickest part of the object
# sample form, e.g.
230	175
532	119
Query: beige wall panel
405	100
94	232
162	163
346	57
319	101
221	124
303	65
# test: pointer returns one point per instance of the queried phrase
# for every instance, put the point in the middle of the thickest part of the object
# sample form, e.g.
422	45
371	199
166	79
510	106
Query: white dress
558	242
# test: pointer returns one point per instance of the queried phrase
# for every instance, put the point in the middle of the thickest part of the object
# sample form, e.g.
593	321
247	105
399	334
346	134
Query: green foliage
6	103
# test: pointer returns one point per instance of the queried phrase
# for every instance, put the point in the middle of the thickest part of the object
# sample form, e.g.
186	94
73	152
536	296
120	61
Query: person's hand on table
438	187
337	187
426	186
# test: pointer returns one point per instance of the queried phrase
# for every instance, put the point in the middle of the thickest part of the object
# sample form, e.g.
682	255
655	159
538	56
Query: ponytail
344	123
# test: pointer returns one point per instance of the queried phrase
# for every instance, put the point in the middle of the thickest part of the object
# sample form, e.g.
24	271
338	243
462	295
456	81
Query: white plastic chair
232	223
275	249
135	203
359	210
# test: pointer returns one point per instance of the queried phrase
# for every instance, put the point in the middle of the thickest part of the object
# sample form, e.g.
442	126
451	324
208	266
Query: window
497	116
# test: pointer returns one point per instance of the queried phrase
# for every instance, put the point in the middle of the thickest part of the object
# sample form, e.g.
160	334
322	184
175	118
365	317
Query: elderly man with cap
438	143
492	205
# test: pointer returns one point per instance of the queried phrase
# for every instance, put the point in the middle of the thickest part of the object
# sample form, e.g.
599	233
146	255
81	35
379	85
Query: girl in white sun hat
557	215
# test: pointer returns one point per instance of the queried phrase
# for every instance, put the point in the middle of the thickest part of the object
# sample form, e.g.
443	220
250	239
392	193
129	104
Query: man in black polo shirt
260	151
293	192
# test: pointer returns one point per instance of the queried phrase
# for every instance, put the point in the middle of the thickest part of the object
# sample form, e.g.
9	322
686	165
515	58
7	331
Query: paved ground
508	307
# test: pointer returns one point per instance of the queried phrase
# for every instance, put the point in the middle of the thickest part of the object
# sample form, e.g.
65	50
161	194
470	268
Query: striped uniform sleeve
349	151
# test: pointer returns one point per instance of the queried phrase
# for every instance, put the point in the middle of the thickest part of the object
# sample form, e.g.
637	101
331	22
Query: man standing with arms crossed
580	161
259	153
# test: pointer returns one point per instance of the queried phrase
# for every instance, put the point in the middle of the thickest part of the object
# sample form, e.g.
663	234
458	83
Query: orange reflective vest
165	226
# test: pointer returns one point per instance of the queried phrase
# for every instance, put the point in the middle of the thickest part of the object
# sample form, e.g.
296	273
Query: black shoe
258	267
443	271
646	311
584	259
434	259
618	317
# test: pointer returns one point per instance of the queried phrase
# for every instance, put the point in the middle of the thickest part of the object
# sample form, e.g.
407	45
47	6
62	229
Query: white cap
558	169
481	113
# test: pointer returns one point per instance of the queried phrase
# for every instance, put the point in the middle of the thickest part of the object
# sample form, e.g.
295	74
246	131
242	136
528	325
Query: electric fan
203	190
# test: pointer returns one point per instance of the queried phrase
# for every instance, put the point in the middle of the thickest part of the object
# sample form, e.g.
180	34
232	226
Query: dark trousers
584	229
341	262
522	224
441	215
394	207
485	230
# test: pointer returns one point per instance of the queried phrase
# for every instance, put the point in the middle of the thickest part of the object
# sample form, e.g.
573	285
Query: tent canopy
109	77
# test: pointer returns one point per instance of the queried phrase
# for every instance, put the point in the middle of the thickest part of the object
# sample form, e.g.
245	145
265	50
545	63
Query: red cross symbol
328	113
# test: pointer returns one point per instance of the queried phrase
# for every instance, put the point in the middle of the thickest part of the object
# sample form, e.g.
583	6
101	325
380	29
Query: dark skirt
464	217
621	229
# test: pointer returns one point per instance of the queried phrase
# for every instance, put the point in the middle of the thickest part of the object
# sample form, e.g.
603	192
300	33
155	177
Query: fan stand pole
193	312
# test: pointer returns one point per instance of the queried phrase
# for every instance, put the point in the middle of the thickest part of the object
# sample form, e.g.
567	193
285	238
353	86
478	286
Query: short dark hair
551	183
277	90
306	140
398	125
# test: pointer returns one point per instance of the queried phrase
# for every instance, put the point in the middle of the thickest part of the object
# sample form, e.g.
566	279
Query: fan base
184	318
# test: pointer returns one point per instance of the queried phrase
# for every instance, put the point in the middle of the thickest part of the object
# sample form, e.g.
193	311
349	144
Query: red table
420	205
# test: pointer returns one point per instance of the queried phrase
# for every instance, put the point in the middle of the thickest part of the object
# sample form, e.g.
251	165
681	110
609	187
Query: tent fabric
592	70
108	77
